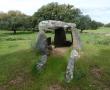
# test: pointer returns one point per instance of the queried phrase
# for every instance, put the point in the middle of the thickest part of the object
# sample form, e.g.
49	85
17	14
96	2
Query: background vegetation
16	20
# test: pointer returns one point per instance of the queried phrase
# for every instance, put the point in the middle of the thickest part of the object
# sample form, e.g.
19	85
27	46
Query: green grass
100	30
18	60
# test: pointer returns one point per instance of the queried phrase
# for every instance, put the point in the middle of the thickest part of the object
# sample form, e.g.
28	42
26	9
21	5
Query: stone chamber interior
60	38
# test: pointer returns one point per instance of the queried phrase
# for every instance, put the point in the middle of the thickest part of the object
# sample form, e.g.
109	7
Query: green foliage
95	25
67	13
107	25
15	20
55	11
84	23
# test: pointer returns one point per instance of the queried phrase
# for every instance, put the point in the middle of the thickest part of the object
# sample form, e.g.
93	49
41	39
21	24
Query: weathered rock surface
70	66
52	25
76	39
41	62
41	44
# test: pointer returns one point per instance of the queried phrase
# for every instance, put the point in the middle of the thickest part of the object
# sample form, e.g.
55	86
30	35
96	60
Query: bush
107	25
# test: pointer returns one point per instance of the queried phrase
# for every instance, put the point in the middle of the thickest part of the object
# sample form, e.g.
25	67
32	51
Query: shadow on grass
17	33
24	32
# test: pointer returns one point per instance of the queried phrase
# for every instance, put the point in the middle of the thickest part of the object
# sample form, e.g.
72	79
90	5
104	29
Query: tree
4	24
84	23
100	24
94	25
107	25
54	11
15	20
63	12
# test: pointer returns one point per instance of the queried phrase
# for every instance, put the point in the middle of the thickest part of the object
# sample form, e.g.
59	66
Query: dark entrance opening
60	37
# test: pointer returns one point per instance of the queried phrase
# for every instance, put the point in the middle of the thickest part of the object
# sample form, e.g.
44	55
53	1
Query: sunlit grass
99	30
18	60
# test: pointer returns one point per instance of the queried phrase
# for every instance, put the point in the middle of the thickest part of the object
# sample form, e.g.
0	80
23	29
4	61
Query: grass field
18	60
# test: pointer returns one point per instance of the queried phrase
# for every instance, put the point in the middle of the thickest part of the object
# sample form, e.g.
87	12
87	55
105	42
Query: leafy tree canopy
63	12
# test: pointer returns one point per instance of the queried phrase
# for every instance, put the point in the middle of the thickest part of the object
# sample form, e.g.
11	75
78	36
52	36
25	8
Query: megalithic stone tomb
43	43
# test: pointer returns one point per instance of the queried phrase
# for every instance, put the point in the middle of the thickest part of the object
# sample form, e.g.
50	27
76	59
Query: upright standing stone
41	62
70	66
41	44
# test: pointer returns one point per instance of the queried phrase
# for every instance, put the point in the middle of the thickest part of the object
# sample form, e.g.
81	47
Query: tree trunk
81	31
14	31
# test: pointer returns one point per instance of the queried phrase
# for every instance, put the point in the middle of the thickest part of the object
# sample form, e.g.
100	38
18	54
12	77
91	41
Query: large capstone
52	25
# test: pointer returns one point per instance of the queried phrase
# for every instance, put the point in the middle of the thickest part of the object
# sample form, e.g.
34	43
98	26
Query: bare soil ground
59	51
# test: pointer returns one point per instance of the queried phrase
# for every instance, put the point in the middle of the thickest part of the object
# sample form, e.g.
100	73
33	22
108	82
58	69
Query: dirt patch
97	72
56	87
2	88
99	85
106	88
59	51
16	81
